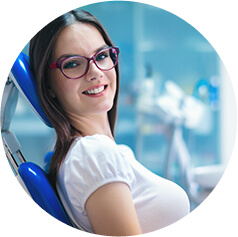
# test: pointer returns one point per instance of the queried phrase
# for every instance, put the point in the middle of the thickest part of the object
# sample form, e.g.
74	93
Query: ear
51	93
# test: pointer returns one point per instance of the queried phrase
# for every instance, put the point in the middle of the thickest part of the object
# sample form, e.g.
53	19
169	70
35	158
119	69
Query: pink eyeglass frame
58	64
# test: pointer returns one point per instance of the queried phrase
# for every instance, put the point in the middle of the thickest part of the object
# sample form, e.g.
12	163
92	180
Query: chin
107	106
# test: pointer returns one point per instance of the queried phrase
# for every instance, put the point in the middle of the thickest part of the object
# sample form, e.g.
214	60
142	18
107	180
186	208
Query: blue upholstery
25	82
37	183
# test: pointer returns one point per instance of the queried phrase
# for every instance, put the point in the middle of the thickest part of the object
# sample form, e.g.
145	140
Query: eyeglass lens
75	67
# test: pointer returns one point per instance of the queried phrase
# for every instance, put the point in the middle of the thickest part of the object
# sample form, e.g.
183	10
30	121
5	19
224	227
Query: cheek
63	89
113	80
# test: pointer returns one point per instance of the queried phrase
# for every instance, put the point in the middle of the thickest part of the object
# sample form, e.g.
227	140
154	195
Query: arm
111	211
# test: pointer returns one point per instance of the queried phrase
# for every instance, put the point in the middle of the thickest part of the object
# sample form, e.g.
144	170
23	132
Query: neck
91	124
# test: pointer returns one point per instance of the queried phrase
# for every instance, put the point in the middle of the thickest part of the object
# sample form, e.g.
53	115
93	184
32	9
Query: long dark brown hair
40	53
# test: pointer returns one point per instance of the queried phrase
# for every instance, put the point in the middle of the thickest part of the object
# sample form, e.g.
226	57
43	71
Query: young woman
101	185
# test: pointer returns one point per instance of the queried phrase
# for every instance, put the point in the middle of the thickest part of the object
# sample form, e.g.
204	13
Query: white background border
216	20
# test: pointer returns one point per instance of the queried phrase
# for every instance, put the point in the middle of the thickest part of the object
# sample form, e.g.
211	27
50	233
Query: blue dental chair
33	177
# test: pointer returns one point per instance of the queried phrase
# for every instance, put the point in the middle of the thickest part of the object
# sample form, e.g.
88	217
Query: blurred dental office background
176	105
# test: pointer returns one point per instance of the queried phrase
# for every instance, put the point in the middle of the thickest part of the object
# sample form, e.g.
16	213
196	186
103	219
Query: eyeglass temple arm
53	65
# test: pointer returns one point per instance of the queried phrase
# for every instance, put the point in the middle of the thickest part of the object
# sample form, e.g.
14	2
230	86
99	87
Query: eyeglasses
75	67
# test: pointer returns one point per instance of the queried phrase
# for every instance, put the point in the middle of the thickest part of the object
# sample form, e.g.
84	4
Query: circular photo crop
118	118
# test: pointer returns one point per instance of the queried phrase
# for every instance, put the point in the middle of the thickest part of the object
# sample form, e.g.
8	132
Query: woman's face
78	97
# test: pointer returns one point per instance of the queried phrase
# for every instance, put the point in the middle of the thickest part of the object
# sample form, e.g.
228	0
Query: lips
96	90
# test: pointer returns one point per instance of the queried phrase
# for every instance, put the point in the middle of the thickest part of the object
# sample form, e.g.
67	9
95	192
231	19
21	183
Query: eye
71	64
103	55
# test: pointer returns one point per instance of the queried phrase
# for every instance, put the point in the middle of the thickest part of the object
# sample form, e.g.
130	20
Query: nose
93	71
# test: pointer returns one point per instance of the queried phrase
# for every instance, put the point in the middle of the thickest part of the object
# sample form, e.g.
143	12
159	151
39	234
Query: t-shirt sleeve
91	163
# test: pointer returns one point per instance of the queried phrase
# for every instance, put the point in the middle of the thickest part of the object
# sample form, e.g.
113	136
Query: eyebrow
72	55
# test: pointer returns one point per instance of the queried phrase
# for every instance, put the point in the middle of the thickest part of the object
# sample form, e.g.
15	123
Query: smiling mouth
95	91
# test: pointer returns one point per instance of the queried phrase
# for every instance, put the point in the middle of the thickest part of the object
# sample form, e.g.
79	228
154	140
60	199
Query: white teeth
95	91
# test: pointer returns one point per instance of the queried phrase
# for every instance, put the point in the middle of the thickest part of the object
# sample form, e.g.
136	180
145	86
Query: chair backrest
33	177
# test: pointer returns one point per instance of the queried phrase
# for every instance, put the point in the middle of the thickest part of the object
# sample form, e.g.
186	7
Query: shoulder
97	143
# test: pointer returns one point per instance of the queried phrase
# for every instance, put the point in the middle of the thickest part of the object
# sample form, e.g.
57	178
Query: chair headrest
24	80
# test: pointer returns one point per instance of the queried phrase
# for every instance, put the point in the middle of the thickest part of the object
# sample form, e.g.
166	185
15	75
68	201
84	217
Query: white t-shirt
94	161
